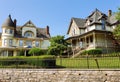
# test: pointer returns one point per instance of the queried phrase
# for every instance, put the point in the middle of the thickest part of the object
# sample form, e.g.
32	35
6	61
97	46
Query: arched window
28	34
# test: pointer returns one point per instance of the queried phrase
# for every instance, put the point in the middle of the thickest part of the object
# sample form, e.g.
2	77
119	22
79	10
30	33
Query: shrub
92	52
35	51
45	61
12	61
21	53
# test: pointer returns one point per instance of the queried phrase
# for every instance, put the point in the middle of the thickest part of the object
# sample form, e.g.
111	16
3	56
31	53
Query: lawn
50	62
90	63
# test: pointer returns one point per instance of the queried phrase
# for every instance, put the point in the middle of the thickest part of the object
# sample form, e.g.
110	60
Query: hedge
46	61
92	52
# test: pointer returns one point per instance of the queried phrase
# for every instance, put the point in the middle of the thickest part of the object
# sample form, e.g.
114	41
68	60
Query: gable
73	29
29	24
76	23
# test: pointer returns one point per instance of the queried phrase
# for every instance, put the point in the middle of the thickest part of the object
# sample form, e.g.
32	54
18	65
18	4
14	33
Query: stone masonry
58	75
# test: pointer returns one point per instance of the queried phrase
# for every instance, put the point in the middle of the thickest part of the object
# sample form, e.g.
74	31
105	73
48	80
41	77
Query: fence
79	63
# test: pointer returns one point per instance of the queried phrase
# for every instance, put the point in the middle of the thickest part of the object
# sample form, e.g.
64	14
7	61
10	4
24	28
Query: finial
96	9
10	15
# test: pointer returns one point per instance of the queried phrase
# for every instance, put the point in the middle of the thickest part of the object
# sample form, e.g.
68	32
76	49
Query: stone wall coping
61	69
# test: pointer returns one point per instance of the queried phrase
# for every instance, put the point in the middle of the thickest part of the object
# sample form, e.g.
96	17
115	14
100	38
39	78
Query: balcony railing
92	45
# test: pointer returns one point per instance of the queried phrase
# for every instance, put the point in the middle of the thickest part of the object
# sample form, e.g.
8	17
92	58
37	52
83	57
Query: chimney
15	21
109	13
47	30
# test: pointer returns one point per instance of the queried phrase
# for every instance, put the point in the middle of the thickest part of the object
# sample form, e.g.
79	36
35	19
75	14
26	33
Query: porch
93	40
13	51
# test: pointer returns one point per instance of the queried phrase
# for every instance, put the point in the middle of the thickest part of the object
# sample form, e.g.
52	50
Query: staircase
76	52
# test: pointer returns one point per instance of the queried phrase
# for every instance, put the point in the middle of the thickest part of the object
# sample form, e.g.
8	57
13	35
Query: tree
58	45
35	51
116	31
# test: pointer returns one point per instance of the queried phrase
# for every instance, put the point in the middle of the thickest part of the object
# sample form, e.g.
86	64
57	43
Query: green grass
80	63
104	62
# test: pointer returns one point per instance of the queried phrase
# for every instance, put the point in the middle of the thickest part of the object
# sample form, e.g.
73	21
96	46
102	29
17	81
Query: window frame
37	43
20	42
29	43
103	24
28	34
10	42
5	42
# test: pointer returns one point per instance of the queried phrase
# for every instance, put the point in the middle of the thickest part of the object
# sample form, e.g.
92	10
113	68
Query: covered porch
92	40
13	51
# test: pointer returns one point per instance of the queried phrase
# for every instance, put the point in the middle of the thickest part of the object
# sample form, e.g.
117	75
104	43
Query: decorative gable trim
70	26
29	24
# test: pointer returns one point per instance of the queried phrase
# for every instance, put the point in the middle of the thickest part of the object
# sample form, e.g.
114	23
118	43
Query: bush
21	53
45	61
12	61
92	52
35	51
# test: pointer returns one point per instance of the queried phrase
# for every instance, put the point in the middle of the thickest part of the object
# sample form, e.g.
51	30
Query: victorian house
93	32
15	38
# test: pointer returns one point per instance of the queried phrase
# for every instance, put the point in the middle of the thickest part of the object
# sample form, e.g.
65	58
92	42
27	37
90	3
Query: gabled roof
96	16
78	21
41	32
29	24
8	22
113	19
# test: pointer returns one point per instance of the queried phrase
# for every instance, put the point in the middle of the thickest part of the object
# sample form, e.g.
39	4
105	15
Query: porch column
72	48
94	40
25	53
78	43
106	43
85	42
15	53
7	53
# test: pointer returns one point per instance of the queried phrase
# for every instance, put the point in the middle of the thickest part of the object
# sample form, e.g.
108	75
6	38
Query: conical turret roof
8	22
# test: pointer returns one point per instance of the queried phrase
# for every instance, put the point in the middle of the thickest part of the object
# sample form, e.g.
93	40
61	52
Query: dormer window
103	24
28	34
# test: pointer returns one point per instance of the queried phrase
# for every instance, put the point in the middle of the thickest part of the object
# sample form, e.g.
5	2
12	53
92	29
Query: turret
8	28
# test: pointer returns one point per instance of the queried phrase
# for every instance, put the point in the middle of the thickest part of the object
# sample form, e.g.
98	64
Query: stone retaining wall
58	75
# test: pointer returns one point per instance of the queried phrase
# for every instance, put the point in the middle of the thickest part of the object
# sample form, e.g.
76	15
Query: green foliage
92	52
35	51
58	45
116	31
44	61
118	14
21	53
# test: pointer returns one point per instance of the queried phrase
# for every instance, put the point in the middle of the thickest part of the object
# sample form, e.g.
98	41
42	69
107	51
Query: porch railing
92	45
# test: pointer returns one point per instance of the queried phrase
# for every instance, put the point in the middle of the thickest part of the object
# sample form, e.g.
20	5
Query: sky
54	13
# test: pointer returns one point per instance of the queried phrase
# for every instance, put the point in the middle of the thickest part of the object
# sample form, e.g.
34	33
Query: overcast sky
54	13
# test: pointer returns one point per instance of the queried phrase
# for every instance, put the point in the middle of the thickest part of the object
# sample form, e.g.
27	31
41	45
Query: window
11	31
37	44
91	39
87	40
4	53
5	42
73	32
10	42
20	42
28	34
103	24
29	43
5	30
